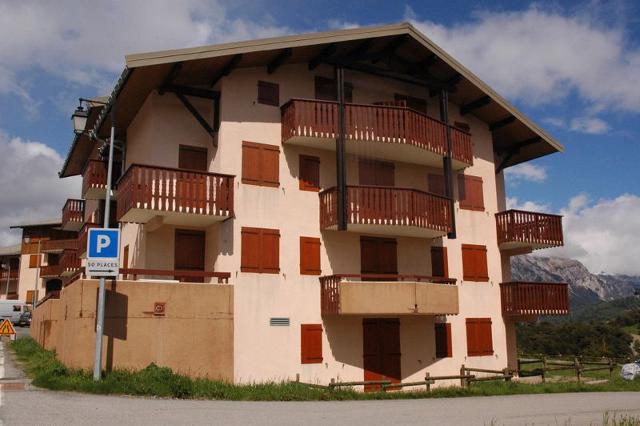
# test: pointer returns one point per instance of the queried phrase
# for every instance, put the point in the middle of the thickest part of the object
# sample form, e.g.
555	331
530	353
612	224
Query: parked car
25	319
11	310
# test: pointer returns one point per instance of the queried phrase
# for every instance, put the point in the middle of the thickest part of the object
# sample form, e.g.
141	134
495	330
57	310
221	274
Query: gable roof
515	136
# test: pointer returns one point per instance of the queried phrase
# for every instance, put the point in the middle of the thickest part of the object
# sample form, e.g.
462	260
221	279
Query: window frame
268	86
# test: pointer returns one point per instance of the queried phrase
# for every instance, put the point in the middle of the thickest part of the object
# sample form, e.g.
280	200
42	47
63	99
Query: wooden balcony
94	179
69	263
519	229
4	274
388	211
83	235
73	215
177	275
386	132
180	197
382	294
532	299
58	246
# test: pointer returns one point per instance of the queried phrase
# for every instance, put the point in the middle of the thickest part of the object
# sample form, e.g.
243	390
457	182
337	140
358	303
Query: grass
47	372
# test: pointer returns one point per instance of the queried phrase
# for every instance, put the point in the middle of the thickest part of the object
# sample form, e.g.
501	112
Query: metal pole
340	152
35	289
97	367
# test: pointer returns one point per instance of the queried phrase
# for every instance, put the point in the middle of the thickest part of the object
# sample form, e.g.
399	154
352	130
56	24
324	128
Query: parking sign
102	252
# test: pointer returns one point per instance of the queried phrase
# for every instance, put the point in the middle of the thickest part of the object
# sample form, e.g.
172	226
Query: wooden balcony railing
73	214
527	298
174	191
330	286
94	178
49	246
375	205
520	228
376	123
68	264
83	235
180	275
4	274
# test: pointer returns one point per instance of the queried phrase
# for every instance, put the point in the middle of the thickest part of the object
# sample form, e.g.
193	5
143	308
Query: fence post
578	367
298	377
519	367
463	381
332	384
507	374
427	381
544	369
610	367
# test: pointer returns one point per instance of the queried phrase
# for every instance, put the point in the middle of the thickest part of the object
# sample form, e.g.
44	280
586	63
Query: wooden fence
579	365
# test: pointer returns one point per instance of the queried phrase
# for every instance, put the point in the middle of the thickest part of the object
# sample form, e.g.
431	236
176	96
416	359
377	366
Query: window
326	90
479	340
309	174
439	262
260	165
310	343
378	256
192	157
443	341
474	263
34	261
29	298
436	184
309	256
268	93
470	192
411	102
260	251
376	173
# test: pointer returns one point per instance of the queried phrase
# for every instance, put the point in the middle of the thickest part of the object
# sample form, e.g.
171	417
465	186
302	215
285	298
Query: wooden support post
427	381
463	380
610	367
446	161
297	377
341	168
507	374
519	367
578	367
544	369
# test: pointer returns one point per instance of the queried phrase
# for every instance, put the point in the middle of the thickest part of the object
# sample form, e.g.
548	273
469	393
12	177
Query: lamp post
79	119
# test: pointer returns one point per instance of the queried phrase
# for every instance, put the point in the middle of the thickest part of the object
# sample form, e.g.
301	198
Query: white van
12	309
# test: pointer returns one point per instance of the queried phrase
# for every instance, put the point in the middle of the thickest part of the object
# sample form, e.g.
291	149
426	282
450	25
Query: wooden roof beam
279	60
326	52
226	70
193	91
360	50
474	105
168	80
502	123
515	148
389	49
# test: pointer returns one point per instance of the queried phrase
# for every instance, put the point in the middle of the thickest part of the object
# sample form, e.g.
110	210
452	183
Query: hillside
585	288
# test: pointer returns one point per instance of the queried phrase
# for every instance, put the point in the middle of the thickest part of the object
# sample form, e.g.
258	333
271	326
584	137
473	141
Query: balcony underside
396	298
74	226
97	193
525	247
140	215
391	230
392	151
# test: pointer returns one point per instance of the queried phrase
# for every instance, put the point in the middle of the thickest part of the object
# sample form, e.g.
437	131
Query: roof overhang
516	138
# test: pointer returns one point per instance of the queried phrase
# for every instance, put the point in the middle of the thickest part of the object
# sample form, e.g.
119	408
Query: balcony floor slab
392	230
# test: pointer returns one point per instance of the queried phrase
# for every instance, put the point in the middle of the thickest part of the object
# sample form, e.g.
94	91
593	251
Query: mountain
585	288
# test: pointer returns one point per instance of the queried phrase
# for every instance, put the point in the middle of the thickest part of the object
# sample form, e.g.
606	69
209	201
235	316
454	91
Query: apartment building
345	188
9	272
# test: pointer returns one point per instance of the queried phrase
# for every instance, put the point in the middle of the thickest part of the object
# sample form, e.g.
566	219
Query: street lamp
79	119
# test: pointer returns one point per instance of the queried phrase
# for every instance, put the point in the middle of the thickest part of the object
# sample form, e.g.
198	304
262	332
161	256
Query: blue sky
573	67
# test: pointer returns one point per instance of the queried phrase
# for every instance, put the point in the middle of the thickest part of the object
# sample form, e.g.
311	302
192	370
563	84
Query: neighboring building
376	245
9	272
47	255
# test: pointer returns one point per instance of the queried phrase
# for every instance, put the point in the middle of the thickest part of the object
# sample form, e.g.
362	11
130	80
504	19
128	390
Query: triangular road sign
6	328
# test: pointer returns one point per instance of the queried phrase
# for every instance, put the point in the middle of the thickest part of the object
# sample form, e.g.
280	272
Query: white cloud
591	125
530	206
539	56
30	186
85	42
604	235
526	172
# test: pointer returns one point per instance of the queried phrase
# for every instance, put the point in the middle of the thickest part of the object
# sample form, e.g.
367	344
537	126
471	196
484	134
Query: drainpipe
448	170
341	169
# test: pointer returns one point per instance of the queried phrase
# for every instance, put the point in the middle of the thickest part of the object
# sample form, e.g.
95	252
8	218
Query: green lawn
47	372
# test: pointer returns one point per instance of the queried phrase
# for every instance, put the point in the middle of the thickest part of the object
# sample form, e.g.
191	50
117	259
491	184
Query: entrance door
378	256
189	253
381	350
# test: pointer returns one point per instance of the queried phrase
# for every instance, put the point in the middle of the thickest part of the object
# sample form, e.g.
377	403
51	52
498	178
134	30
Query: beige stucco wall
263	352
194	337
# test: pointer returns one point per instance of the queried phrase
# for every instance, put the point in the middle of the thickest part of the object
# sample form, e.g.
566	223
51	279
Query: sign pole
97	367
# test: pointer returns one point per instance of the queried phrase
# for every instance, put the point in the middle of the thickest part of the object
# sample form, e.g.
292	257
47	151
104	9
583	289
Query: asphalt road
20	405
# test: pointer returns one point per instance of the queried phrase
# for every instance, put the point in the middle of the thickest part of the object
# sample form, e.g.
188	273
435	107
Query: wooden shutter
192	157
260	250
378	256
125	257
310	343
260	164
376	173
268	93
436	184
309	173
416	104
326	90
29	298
474	263
443	341
34	260
470	192
439	262
310	256
479	338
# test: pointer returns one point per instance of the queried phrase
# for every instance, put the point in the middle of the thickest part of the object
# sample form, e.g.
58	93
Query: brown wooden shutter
268	93
192	158
326	90
270	251
29	298
443	341
34	261
376	173
260	164
310	256
250	250
474	263
309	173
479	338
436	184
470	192
378	256
125	257
439	262
310	343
